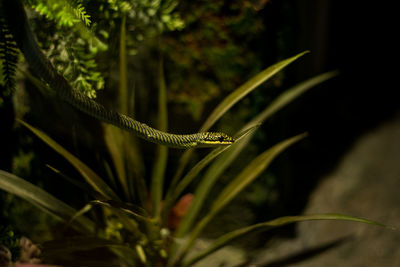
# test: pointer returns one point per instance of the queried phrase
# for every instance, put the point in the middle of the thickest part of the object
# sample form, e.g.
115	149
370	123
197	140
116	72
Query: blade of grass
291	94
269	225
231	100
109	174
114	139
113	136
43	88
245	89
130	149
122	214
81	185
132	210
88	174
157	180
123	81
220	165
40	198
245	177
125	156
251	172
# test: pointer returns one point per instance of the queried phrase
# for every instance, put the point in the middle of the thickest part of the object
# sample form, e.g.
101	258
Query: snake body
42	67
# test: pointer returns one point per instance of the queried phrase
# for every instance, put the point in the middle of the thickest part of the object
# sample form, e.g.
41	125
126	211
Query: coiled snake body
18	23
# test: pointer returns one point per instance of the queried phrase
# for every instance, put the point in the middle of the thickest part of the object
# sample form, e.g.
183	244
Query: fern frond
8	57
80	12
73	55
63	12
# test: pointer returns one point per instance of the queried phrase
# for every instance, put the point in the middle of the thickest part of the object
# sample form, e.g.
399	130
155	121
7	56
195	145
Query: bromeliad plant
141	234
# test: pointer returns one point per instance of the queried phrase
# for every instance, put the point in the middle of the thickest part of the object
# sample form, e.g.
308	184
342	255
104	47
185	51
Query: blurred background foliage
209	48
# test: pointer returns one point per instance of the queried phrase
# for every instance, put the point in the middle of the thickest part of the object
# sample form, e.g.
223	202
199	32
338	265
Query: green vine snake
41	66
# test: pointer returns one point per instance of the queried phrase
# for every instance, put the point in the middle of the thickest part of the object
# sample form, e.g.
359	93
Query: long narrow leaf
266	226
244	178
232	99
135	211
291	94
123	81
113	136
88	174
251	172
80	184
40	198
245	89
114	139
162	151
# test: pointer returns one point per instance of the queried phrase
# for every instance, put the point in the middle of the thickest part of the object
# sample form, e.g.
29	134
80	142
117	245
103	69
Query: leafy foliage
73	47
149	15
217	40
75	58
74	54
65	13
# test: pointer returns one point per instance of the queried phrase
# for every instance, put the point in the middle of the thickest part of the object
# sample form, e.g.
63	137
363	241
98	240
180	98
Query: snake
42	67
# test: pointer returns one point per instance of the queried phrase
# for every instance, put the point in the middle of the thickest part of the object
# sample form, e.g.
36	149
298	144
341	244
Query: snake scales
41	66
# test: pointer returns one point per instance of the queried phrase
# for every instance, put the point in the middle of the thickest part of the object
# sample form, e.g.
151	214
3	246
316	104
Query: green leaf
123	211
114	139
126	158
122	146
245	89
157	179
88	174
245	177
80	184
123	80
129	209
251	172
289	95
40	198
266	226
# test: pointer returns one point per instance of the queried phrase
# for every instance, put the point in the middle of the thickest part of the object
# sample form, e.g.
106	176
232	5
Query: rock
366	183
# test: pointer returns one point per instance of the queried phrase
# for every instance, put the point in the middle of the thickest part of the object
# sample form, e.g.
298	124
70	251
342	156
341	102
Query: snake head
211	139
